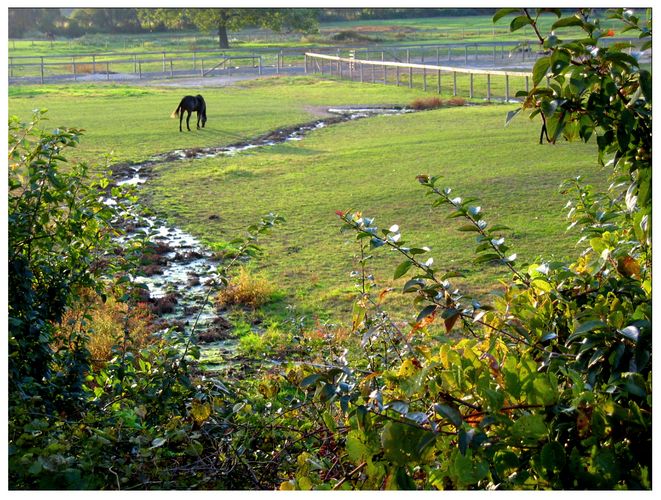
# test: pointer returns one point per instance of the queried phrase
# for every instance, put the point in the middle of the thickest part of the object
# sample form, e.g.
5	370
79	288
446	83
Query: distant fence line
217	62
428	75
178	63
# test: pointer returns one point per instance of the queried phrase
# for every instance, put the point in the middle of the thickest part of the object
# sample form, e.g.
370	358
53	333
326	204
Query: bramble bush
132	421
549	387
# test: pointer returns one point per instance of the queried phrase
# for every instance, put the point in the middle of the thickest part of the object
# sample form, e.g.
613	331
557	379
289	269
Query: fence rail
428	75
45	69
272	61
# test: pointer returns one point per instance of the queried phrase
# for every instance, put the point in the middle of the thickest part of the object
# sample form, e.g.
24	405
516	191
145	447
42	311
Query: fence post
488	87
424	79
140	70
42	70
306	63
171	69
422	55
410	78
202	67
260	65
439	81
507	88
454	83
471	86
397	73
527	84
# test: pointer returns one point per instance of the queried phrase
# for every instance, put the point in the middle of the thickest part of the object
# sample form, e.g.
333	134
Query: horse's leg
198	120
181	117
188	120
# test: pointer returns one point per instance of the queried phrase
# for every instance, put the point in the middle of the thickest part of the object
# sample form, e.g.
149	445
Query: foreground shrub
550	386
111	325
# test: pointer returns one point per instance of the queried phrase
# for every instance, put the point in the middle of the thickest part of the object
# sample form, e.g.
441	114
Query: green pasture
368	165
133	123
391	31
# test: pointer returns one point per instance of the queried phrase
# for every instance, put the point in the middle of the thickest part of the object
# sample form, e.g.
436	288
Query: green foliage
58	234
550	387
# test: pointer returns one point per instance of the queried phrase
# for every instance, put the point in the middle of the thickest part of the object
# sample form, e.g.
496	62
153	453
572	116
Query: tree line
50	22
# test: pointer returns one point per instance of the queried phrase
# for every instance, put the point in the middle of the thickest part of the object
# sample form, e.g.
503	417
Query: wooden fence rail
78	67
429	76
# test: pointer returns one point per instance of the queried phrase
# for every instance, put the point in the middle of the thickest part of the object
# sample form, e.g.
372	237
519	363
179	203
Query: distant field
367	165
392	31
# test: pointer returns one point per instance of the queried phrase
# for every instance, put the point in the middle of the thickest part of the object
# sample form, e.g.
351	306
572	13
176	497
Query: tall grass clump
247	290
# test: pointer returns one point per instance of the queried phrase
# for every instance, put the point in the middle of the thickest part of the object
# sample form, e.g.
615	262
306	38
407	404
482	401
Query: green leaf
519	22
311	379
529	428
567	21
450	413
402	269
413	285
502	13
405	444
511	114
426	312
401	407
553	458
540	69
586	327
630	332
158	442
490	257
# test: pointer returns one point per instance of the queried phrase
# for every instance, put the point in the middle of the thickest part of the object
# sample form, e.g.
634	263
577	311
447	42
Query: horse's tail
175	113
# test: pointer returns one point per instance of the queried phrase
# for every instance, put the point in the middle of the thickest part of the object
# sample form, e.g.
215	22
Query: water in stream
180	284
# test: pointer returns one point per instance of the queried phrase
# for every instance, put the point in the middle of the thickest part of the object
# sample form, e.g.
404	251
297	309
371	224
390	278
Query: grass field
367	165
392	31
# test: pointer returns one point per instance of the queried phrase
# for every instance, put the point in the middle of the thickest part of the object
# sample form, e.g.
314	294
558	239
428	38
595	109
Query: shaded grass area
370	165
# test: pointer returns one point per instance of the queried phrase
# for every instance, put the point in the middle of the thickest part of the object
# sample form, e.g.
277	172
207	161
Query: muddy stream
182	269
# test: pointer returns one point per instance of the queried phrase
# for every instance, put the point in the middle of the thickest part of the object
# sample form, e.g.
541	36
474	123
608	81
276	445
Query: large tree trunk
223	41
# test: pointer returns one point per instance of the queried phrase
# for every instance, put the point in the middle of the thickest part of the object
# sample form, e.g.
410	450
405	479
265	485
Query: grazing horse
189	104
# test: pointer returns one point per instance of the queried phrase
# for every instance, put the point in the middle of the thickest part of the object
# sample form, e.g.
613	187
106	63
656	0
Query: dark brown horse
189	104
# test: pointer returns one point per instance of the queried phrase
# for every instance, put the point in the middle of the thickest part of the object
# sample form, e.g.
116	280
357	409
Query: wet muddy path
178	270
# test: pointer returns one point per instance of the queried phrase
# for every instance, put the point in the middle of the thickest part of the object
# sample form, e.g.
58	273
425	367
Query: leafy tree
104	20
24	20
223	20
